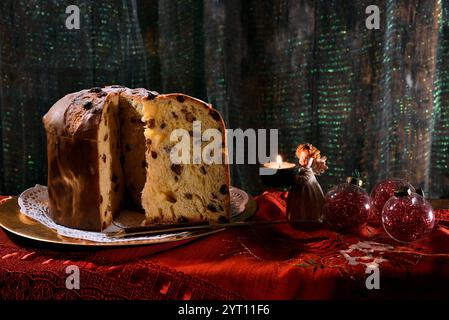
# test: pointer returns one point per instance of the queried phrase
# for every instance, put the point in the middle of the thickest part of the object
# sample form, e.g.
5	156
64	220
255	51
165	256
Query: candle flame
279	160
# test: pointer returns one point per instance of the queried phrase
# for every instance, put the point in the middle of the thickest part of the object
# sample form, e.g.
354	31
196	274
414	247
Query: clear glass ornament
407	216
380	194
346	206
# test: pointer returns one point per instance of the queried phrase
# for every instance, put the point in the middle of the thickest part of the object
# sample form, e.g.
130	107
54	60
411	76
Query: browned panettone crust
73	183
77	114
72	156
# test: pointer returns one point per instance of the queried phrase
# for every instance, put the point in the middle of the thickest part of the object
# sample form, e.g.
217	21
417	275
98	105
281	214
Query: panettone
109	149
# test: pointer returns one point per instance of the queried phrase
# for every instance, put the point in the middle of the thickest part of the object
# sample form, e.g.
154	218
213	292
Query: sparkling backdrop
373	100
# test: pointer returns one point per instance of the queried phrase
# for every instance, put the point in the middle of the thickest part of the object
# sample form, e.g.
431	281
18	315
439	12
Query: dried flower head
307	151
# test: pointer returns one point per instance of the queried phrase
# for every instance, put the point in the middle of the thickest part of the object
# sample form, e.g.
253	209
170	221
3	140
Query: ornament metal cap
402	192
420	192
356	181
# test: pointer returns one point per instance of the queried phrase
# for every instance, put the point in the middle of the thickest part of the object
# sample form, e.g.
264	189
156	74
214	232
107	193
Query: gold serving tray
14	221
439	204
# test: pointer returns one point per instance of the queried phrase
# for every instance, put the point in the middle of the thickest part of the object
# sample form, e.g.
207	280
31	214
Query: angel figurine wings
305	198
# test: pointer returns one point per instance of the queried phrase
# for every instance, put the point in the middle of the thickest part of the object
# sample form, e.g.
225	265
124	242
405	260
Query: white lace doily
33	203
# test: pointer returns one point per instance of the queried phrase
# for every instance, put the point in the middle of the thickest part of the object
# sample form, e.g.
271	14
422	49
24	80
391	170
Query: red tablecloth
276	262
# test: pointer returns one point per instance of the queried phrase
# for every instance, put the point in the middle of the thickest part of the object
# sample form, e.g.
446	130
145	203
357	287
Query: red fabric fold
256	262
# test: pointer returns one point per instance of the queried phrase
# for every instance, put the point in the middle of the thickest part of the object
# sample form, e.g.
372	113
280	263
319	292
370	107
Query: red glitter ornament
407	216
381	193
346	206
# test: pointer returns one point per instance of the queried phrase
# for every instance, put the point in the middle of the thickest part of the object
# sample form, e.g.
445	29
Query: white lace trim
33	203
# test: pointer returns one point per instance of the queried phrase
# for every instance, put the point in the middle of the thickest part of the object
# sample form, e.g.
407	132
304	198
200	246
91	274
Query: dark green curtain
372	100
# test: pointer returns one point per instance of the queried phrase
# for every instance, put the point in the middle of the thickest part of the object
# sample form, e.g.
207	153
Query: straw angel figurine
305	198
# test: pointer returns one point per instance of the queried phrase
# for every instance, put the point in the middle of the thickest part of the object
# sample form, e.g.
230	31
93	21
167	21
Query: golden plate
439	204
14	221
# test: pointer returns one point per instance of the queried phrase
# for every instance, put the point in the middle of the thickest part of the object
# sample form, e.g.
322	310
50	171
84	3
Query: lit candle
279	164
279	174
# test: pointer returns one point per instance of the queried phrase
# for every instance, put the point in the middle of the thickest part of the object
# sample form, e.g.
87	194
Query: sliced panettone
183	192
109	149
